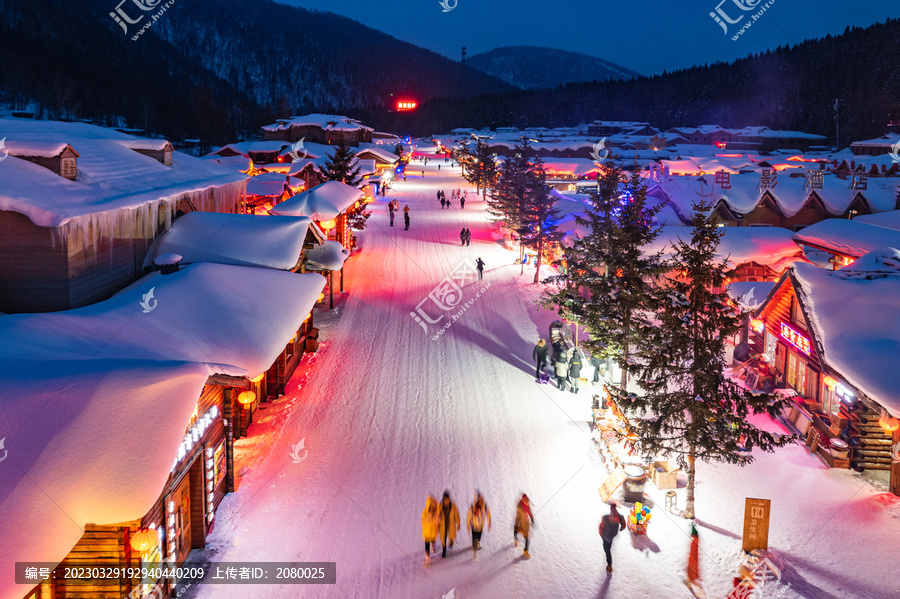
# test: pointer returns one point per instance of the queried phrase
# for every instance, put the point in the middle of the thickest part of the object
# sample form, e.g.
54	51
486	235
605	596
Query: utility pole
837	129
462	74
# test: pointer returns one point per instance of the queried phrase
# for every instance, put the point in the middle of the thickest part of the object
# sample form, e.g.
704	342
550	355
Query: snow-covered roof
111	176
322	202
847	237
138	374
366	166
855	314
578	167
888	220
267	184
238	163
380	154
328	122
768	246
152	145
886	140
242	239
35	148
331	255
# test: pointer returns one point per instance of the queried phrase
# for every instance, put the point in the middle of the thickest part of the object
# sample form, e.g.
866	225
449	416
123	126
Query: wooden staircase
870	445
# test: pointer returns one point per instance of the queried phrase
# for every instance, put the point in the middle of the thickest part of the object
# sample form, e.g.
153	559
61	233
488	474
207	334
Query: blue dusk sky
648	36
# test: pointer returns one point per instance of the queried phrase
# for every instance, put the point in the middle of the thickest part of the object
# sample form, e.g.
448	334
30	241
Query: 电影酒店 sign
795	338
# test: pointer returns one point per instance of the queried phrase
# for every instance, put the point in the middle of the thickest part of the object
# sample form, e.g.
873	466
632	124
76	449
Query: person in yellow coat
449	523
475	519
430	523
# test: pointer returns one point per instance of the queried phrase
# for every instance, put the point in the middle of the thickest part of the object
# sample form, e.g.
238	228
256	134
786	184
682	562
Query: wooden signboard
613	482
756	524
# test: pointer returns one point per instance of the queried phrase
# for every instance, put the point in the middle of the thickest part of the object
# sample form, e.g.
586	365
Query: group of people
454	194
567	365
394	206
465	236
440	521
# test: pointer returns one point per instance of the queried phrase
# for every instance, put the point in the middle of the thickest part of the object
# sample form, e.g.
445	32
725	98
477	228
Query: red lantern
144	540
888	422
246	398
327	225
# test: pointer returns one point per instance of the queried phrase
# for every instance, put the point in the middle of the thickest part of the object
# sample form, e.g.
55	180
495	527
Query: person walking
479	264
598	363
462	235
610	526
449	523
524	521
430	522
406	220
392	218
575	366
468	237
475	519
539	355
462	203
561	369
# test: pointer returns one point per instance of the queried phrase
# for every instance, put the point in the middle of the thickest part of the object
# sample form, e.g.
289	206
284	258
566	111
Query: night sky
648	36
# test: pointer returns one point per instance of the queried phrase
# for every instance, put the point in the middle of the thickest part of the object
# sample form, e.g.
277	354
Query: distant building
319	128
605	128
876	147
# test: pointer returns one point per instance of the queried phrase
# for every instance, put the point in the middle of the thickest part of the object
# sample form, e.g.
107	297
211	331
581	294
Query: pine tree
607	288
479	167
398	150
342	166
689	407
540	218
508	198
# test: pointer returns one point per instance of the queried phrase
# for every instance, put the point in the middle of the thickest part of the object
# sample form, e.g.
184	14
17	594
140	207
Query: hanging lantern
144	540
888	422
757	325
246	398
321	296
829	382
258	378
327	225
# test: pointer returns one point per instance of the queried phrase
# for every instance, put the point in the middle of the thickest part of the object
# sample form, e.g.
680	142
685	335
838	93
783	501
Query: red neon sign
405	105
795	338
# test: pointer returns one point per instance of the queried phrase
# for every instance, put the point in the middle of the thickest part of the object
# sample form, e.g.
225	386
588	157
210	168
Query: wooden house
69	243
841	409
160	150
319	128
200	382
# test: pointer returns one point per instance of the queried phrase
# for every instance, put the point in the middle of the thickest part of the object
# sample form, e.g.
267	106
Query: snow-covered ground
389	415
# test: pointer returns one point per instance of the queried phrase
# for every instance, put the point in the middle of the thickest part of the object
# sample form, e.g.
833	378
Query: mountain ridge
536	67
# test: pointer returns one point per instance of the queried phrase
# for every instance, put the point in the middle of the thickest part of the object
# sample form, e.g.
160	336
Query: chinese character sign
859	181
768	179
756	524
723	179
814	179
795	339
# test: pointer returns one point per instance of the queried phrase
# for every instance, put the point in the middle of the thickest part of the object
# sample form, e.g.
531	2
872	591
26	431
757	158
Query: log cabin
319	128
70	242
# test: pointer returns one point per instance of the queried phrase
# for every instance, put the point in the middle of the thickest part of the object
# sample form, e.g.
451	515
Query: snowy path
389	415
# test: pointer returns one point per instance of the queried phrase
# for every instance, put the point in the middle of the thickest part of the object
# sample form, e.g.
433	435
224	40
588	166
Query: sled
544	379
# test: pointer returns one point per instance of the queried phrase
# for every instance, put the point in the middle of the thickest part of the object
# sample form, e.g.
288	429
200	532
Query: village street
389	414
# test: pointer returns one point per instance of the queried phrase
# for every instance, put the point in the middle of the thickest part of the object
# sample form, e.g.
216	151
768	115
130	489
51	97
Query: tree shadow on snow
715	528
805	588
505	353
